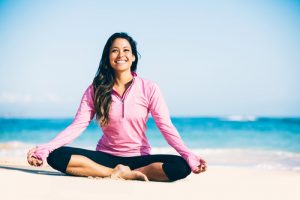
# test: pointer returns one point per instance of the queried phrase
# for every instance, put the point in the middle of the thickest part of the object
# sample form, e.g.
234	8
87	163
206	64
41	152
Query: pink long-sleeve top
125	133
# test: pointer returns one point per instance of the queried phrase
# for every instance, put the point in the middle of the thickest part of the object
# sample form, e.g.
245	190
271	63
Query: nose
121	54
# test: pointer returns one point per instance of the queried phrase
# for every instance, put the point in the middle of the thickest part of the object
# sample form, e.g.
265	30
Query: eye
126	50
114	50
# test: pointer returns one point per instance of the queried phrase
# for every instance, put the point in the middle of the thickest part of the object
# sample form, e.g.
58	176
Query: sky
210	58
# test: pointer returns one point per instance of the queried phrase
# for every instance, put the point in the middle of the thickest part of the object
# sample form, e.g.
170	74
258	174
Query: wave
240	118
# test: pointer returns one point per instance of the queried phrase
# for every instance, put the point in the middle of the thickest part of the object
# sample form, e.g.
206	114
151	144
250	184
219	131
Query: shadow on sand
33	171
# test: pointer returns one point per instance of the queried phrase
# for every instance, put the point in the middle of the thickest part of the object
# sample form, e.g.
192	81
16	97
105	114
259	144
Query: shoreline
15	152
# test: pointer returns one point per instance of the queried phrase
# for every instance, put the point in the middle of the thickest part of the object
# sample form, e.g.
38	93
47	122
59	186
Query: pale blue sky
210	58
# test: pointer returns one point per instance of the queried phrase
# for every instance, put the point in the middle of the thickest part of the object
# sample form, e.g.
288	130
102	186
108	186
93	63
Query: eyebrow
123	47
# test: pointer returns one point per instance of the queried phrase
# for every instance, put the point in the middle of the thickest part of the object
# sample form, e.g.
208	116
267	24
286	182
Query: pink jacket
125	133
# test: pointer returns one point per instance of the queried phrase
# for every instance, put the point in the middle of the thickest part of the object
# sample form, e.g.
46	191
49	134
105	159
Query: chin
121	69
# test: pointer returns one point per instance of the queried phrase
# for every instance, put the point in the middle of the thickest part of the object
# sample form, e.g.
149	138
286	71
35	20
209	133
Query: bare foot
125	173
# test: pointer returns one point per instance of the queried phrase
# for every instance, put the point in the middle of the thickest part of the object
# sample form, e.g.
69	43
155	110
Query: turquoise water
267	142
262	133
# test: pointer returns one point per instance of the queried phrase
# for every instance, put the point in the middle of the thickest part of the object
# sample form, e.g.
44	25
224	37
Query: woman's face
120	55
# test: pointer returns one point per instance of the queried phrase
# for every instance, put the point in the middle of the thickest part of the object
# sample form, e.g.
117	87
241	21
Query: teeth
121	61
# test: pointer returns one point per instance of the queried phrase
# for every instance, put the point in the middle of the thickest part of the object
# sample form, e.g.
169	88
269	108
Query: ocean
259	142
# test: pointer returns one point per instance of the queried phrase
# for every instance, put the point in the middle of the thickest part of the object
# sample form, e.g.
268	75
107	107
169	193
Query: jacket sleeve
84	115
160	114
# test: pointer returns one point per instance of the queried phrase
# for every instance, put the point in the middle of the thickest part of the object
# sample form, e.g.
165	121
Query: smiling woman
122	102
119	55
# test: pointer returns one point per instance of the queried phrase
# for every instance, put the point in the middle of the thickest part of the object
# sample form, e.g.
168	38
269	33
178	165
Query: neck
122	78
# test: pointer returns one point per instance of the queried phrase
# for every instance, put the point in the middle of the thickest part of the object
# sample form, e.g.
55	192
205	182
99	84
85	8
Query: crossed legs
81	162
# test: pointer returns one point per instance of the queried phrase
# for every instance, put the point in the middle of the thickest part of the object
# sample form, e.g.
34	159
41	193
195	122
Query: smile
120	61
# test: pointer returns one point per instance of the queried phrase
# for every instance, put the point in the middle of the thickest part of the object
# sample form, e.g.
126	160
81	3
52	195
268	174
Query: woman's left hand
202	167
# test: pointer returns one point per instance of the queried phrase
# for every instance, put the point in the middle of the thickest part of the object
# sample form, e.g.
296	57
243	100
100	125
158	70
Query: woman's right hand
32	160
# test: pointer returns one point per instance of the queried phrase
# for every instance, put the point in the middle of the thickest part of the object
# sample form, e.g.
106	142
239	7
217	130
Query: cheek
131	57
111	58
113	55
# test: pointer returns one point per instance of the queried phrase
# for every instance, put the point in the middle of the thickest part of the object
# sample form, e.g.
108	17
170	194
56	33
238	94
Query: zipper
122	98
122	108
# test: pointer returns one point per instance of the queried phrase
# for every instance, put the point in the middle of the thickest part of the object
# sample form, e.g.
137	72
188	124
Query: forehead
120	43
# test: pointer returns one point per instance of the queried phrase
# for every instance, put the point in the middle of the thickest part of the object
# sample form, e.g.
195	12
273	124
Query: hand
202	167
32	160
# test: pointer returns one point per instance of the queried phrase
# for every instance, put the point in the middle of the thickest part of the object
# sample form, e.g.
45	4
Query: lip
120	61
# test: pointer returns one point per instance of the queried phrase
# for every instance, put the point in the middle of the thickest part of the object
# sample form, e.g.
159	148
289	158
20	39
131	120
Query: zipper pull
122	108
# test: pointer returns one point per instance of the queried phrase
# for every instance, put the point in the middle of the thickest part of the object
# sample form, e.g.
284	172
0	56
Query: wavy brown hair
105	78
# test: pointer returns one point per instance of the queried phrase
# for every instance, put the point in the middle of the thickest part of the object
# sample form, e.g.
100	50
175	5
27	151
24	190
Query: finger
203	168
36	162
30	158
204	164
202	161
197	171
31	162
40	162
30	154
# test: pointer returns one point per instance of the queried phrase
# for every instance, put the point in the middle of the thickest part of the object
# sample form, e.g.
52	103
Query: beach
21	181
247	159
216	82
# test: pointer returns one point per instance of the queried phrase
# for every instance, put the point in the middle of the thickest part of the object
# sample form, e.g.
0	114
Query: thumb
196	171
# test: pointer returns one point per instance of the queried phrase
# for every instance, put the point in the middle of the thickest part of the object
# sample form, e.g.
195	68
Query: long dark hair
105	78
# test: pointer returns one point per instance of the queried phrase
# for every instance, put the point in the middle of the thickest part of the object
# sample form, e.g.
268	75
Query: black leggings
175	167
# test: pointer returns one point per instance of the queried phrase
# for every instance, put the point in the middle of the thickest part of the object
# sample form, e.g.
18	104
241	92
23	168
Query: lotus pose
121	101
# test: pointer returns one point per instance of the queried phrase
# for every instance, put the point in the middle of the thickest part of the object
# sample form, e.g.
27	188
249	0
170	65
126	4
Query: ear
133	59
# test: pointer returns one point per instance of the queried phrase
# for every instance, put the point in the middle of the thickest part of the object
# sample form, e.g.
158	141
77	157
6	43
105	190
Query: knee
178	169
58	159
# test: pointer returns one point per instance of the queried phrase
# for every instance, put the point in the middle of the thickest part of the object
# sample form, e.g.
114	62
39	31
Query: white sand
26	182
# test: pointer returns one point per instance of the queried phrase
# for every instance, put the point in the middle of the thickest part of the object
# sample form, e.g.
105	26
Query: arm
84	115
160	114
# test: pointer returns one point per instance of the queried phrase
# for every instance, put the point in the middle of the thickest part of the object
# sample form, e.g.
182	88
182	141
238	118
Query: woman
121	101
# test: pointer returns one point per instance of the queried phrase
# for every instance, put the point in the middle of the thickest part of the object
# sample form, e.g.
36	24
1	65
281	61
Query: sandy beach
21	181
